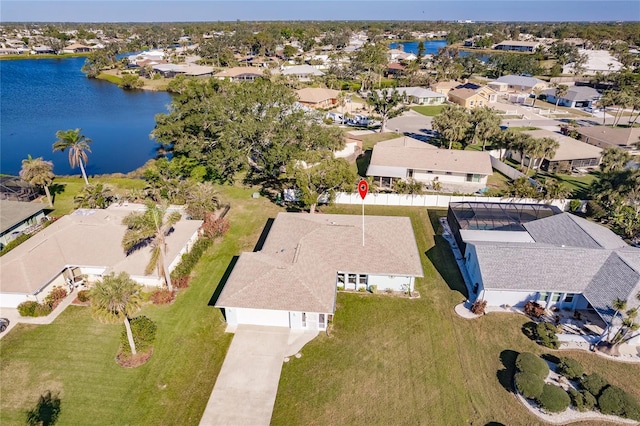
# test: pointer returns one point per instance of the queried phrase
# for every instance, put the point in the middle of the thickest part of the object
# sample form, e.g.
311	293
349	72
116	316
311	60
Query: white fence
507	170
441	201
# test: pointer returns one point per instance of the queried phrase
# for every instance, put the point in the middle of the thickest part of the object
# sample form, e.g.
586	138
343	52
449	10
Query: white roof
302	70
90	238
419	92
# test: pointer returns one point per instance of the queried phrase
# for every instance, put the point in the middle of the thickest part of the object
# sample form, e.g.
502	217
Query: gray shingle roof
519	80
576	93
567	229
296	268
14	212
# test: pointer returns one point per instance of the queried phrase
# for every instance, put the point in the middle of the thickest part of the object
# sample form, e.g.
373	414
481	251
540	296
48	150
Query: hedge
144	333
570	368
528	384
619	403
531	363
553	398
594	383
190	259
583	400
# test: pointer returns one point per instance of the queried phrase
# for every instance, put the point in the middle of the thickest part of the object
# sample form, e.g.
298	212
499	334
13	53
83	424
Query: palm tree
486	125
546	148
38	172
619	305
151	227
614	159
537	91
561	90
116	298
78	146
97	196
452	123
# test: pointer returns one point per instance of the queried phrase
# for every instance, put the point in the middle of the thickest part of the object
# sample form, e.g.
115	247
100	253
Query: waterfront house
16	217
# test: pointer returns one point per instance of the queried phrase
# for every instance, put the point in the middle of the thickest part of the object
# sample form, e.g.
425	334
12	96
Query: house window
321	321
447	173
304	319
480	103
409	173
362	280
473	177
543	297
429	171
569	298
555	297
341	280
352	280
471	103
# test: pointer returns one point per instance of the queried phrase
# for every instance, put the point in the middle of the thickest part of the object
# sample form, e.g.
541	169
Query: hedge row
190	259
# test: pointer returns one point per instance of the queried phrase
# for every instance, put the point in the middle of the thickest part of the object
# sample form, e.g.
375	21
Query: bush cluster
190	259
614	400
162	296
56	296
51	301
583	400
532	363
83	295
533	309
570	368
594	384
215	227
545	334
529	379
144	334
28	308
478	307
553	398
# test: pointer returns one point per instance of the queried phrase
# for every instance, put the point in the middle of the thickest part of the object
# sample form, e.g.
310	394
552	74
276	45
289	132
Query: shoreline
43	56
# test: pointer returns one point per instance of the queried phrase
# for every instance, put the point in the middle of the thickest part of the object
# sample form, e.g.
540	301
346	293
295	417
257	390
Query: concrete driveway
411	124
246	388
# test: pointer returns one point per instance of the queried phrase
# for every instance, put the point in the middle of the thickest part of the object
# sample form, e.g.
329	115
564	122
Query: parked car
592	110
4	323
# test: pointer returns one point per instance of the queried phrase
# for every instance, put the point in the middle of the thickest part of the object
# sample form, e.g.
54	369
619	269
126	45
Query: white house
576	96
90	240
598	61
519	253
407	158
302	72
292	280
421	96
517	84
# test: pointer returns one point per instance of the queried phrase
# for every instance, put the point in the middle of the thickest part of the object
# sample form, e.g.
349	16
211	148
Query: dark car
4	323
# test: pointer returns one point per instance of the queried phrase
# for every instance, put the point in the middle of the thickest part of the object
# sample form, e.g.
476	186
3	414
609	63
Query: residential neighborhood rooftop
14	212
569	148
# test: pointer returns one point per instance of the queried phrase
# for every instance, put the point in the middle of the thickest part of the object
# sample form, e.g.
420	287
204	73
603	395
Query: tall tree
485	124
320	180
151	228
614	159
38	172
537	91
545	148
452	123
384	103
78	146
560	92
116	298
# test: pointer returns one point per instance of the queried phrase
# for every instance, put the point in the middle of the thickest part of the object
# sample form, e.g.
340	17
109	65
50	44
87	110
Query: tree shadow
46	411
551	358
55	189
529	330
363	162
505	375
443	260
494	424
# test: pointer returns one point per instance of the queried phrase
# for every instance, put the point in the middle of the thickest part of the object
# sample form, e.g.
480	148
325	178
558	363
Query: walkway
246	388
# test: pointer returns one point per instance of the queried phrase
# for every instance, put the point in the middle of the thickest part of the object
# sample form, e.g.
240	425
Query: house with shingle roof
576	97
16	217
292	280
240	73
317	97
421	96
472	96
566	262
407	158
625	138
90	240
517	84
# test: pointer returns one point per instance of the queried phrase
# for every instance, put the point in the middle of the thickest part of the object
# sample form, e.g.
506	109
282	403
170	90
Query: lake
41	96
431	47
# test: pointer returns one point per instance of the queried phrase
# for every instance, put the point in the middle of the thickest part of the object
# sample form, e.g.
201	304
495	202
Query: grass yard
578	184
64	189
74	356
428	110
398	361
498	181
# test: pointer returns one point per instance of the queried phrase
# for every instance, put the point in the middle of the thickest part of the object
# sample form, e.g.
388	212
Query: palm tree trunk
165	271
312	208
557	100
132	344
46	190
84	174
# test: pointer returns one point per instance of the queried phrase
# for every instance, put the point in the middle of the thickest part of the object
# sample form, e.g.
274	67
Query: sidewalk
14	317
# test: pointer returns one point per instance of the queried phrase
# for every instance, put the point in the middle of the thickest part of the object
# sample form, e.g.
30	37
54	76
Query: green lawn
398	361
74	356
579	185
428	110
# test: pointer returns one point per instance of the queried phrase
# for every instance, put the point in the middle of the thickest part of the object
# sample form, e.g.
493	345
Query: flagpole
363	222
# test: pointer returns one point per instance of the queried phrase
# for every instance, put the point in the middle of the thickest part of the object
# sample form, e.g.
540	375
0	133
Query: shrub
531	363
582	400
574	205
614	400
340	288
42	310
83	295
28	308
528	384
213	227
144	334
553	399
162	296
570	368
190	259
373	289
594	383
362	289
181	282
478	307
533	309
56	296
15	243
545	333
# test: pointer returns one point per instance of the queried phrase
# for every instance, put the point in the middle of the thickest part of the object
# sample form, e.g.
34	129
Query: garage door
263	317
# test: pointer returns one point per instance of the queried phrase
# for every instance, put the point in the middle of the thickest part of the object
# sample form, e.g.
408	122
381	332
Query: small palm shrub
570	368
144	334
28	308
553	399
83	296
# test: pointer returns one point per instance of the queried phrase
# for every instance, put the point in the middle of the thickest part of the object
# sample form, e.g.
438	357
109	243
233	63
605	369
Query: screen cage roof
498	216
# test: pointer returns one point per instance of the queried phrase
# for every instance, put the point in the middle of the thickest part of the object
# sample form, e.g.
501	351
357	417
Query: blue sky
265	10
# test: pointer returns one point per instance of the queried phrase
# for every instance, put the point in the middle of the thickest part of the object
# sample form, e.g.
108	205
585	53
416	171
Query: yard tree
561	91
116	298
525	145
614	159
232	127
485	124
543	148
504	141
421	51
537	91
521	188
77	144
320	180
151	228
201	199
385	103
98	60
38	172
96	196
452	123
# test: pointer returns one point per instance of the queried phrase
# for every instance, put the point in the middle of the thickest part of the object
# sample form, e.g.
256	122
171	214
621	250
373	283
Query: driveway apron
245	391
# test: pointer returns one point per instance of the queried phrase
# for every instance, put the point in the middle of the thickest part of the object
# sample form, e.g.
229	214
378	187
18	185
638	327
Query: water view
40	97
431	47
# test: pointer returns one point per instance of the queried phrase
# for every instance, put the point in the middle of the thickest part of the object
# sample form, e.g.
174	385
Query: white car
592	110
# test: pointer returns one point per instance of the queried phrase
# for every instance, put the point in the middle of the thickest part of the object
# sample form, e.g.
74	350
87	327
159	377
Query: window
429	171
471	103
304	319
569	298
341	279
321	322
352	279
409	173
555	297
543	297
362	280
471	177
